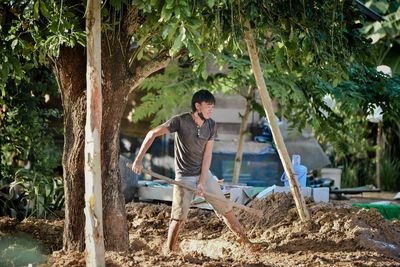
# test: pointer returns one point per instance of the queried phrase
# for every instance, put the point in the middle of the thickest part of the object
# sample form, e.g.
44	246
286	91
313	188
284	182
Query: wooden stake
242	131
280	145
93	192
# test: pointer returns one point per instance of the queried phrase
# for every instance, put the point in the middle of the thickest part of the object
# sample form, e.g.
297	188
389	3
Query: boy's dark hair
202	96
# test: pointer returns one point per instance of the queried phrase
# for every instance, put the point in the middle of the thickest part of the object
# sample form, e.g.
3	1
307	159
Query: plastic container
333	173
299	170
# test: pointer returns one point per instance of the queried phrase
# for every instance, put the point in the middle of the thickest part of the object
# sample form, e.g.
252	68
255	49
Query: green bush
390	174
30	155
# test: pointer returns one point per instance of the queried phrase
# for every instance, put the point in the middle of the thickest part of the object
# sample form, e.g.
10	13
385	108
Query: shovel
255	212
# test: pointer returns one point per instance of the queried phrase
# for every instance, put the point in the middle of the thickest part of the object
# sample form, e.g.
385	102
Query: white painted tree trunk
93	193
276	133
242	131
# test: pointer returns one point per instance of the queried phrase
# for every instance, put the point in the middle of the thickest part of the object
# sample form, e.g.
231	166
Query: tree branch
151	67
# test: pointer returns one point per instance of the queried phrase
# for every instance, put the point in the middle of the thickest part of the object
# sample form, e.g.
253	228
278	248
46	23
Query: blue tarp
258	169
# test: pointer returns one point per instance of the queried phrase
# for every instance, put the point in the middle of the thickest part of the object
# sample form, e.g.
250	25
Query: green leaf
167	30
182	32
14	43
43	9
335	82
140	54
169	4
175	47
36	10
166	14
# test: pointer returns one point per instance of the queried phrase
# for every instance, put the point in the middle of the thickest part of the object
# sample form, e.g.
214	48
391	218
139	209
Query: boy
194	138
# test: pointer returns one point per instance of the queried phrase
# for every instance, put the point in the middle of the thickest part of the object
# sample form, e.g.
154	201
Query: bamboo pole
242	131
280	145
94	239
378	156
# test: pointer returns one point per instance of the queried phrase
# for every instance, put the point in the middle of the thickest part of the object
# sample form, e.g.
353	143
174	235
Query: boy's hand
200	189
137	167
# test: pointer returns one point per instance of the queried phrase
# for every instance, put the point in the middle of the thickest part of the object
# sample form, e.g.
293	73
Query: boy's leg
173	233
234	225
180	208
224	209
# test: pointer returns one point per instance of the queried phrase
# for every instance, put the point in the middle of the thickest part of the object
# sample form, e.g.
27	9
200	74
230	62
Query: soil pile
335	235
332	227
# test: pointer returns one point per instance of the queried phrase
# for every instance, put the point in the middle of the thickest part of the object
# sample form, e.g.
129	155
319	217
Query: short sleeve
173	124
214	133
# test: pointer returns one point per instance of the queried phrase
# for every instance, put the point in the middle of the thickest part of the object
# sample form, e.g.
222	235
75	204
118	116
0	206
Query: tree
138	40
141	39
355	99
322	57
386	40
384	34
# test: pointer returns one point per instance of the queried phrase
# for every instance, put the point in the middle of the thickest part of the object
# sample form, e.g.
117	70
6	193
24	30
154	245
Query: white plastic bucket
333	173
301	172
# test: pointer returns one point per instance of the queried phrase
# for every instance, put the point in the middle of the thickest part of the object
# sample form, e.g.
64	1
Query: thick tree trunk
70	69
115	223
115	91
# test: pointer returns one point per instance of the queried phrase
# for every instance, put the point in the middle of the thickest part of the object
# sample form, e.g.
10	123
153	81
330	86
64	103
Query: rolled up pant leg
182	198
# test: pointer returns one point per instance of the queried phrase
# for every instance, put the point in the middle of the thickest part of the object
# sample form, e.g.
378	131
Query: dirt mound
148	220
336	235
335	230
133	258
331	228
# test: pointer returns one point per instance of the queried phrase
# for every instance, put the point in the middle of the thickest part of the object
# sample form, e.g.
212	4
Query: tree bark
280	145
242	131
115	91
70	69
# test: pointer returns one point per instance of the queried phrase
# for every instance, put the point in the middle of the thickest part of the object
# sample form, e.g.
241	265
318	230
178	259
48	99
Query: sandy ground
336	235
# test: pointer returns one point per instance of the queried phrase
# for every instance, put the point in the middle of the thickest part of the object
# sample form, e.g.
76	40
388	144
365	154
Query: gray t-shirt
190	142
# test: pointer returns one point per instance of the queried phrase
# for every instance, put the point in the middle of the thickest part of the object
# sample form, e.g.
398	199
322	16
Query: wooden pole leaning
267	104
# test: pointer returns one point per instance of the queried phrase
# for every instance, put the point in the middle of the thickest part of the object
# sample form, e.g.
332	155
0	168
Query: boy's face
205	108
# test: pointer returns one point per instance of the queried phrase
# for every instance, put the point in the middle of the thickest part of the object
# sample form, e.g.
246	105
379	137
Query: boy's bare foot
166	251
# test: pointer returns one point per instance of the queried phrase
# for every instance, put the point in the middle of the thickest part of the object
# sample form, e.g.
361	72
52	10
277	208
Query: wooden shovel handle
255	212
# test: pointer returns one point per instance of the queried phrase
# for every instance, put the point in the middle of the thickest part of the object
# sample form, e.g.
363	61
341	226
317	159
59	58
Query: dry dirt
336	235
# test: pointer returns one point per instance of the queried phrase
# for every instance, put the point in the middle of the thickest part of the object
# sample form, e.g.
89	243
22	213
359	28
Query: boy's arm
148	140
205	167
